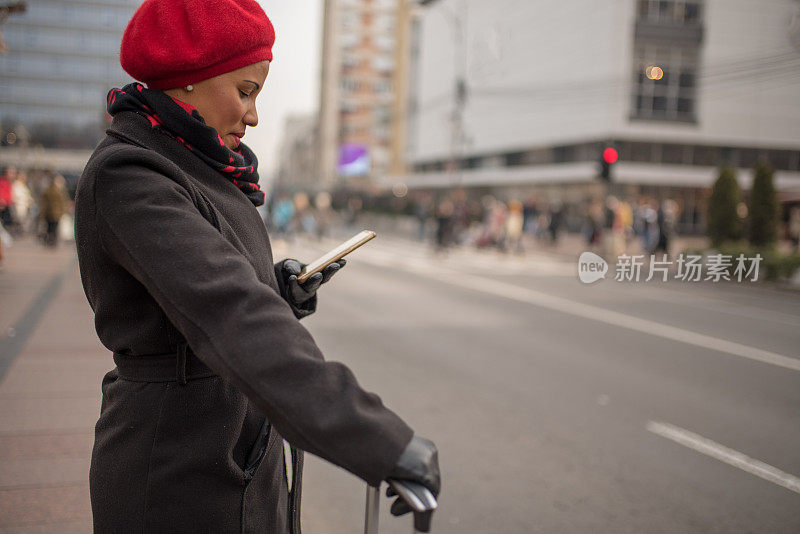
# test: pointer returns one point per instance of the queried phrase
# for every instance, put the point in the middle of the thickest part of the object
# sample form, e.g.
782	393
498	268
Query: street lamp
461	93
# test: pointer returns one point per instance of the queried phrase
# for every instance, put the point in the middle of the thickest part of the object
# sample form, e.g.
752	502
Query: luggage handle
418	497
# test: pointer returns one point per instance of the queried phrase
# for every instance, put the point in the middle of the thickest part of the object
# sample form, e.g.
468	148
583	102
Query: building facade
678	87
362	90
62	59
297	170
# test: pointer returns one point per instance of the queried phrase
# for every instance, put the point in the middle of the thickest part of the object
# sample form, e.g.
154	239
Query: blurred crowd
286	215
486	223
614	225
609	225
34	202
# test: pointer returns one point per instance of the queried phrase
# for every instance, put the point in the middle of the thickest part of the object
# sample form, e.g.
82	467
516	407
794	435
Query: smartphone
336	254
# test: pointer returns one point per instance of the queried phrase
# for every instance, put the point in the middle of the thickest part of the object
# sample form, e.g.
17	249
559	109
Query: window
668	92
385	23
640	152
564	154
474	162
351	21
382	115
383	63
349	107
748	157
513	159
780	159
382	133
382	86
384	42
348	40
706	156
674	154
351	60
13	63
350	85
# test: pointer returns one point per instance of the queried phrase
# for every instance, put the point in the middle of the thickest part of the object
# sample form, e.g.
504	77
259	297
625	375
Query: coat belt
179	366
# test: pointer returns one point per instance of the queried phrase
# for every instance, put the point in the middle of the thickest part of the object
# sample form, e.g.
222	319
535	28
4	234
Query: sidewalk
51	366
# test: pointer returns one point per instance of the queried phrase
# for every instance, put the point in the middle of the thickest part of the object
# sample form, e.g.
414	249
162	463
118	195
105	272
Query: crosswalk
390	251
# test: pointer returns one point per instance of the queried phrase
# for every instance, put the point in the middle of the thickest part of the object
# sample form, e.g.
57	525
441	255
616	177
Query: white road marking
588	311
725	454
719	305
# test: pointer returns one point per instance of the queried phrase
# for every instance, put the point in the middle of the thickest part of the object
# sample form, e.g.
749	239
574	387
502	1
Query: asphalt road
564	407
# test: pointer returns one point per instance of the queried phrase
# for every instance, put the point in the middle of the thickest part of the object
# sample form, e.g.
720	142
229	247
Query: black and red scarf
184	123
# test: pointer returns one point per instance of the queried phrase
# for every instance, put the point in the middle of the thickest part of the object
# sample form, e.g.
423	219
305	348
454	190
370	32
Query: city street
556	406
585	286
548	421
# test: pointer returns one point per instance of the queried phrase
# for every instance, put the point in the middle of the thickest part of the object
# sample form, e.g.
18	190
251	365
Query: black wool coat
172	254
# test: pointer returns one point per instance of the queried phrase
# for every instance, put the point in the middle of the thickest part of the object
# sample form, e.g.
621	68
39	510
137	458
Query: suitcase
419	498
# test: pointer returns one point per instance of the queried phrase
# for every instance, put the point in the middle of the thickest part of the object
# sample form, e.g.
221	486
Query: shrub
763	210
774	265
724	223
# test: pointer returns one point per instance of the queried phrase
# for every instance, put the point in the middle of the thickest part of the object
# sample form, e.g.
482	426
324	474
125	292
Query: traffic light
607	159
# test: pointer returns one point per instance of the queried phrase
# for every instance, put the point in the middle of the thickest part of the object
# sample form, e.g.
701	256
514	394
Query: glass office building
63	58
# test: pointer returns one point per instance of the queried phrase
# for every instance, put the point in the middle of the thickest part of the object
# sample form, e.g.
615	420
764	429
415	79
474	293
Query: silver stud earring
190	87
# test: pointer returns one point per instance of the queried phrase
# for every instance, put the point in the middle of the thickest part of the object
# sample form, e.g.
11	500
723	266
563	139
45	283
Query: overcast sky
293	82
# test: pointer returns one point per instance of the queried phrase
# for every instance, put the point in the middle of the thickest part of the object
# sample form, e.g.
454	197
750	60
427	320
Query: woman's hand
302	297
419	463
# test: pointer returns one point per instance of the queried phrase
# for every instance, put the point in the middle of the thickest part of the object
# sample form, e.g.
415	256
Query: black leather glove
302	297
419	462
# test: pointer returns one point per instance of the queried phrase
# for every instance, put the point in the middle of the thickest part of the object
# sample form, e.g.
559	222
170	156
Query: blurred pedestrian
593	226
22	200
556	218
423	208
514	227
6	199
666	218
626	221
53	206
485	239
461	217
353	212
283	215
213	367
497	224
615	233
304	214
324	214
650	231
444	225
530	211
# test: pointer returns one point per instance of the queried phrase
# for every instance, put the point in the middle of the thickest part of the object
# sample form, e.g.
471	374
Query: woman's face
227	102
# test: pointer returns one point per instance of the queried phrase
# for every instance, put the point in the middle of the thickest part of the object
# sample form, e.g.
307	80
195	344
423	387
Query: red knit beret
171	43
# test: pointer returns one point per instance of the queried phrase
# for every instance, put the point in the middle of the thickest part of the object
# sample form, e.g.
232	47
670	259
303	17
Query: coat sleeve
241	328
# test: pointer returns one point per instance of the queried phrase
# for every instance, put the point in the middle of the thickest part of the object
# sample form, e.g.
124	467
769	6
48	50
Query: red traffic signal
610	155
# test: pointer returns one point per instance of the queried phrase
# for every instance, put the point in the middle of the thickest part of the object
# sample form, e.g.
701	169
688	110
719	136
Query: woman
213	369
